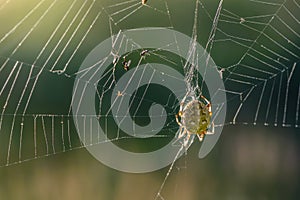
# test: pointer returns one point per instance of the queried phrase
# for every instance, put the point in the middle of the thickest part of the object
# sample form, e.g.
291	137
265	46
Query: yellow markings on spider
195	118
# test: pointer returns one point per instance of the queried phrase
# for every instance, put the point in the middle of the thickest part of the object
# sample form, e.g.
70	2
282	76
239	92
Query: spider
195	118
144	52
126	63
144	2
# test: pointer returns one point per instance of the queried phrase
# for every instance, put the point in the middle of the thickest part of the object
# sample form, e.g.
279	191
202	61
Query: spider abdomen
196	117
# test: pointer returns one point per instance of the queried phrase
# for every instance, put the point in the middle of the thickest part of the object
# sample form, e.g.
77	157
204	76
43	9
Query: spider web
44	43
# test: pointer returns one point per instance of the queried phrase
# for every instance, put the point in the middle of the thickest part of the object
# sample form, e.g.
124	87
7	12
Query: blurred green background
248	162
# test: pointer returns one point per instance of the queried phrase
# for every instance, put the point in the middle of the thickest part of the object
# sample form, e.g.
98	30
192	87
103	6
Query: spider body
144	53
126	64
195	118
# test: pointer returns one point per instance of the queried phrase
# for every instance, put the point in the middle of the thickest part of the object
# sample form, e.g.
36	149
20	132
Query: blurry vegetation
247	163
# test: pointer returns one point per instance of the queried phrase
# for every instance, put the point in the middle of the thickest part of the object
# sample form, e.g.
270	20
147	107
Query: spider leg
181	106
181	133
209	109
200	137
177	120
186	141
205	99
